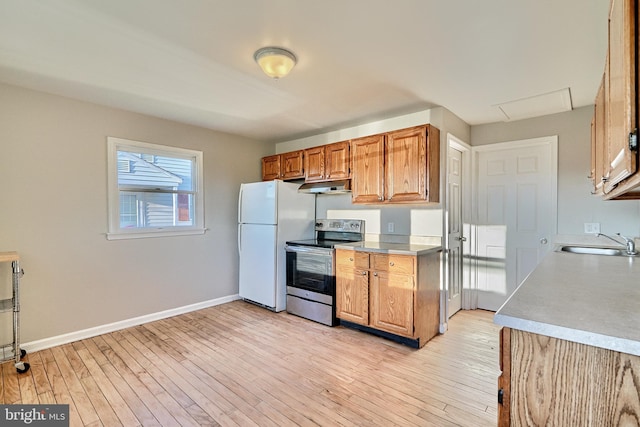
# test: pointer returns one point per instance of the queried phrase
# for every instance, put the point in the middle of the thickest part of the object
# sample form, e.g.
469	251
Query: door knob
543	241
461	239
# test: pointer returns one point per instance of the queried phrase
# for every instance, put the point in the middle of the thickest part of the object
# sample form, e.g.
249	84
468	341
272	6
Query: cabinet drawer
352	259
394	263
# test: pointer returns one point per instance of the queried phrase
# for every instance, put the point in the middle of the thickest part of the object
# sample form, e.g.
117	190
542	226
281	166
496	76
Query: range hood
328	187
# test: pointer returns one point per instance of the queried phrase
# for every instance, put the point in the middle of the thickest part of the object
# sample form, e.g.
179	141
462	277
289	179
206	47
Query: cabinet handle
350	259
501	396
375	274
391	264
364	273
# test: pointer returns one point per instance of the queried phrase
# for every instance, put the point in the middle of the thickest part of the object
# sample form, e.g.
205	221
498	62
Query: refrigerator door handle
239	239
240	205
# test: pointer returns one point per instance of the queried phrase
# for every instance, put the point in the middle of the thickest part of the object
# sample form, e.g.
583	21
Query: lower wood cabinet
397	295
552	382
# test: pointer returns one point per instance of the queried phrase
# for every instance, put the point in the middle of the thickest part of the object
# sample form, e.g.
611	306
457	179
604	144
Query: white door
454	224
257	203
516	217
257	247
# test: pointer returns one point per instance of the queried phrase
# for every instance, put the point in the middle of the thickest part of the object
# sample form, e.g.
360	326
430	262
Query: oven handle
308	250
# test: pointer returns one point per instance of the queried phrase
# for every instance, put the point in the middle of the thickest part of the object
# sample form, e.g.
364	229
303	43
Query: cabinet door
337	160
563	383
599	141
406	167
314	164
433	164
504	380
412	165
271	167
392	302
392	293
293	165
352	294
621	97
367	155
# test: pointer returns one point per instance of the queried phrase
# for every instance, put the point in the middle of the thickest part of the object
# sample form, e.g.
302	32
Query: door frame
466	150
552	142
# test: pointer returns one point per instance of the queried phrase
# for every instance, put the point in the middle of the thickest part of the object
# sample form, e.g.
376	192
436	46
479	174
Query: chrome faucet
629	243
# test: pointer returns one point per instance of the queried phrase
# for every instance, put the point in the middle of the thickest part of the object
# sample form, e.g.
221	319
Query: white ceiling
358	60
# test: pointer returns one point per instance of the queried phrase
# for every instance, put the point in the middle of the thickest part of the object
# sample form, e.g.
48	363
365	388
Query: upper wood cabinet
283	166
412	159
367	175
399	166
619	100
599	141
328	162
271	167
314	164
402	166
292	165
337	160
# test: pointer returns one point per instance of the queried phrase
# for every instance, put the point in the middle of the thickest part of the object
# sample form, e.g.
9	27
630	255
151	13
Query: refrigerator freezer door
258	263
258	203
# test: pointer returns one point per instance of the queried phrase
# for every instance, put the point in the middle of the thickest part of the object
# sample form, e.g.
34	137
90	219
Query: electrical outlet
391	227
591	227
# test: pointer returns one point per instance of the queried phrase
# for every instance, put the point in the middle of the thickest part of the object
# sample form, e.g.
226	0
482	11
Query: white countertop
589	299
390	248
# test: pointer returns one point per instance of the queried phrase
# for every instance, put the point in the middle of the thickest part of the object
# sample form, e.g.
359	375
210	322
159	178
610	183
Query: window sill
159	233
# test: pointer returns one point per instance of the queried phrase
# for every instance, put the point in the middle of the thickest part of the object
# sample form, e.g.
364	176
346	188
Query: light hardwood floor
237	364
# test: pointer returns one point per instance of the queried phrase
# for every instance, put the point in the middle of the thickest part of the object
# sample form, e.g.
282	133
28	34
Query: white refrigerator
269	214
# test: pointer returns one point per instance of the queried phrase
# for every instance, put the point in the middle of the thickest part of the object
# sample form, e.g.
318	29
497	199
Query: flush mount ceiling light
276	62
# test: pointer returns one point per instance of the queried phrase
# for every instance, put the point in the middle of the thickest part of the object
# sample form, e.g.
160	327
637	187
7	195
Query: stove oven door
311	268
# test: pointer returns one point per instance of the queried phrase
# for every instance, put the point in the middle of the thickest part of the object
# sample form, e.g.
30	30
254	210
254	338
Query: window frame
115	232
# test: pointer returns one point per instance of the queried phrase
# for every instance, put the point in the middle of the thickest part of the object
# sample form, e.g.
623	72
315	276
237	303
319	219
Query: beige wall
575	203
53	211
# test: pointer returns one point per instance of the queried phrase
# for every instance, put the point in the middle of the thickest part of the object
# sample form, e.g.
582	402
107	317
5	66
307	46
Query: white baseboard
104	329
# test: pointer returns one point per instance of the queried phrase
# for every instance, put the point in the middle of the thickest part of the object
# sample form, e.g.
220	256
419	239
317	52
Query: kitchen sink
593	250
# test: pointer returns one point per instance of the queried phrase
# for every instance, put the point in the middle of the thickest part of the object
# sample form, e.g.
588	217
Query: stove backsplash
392	224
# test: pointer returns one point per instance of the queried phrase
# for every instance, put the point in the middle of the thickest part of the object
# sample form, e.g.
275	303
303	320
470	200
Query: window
154	190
